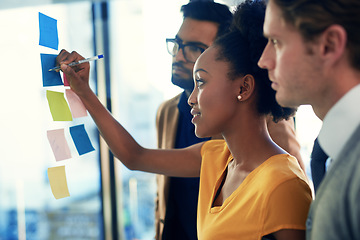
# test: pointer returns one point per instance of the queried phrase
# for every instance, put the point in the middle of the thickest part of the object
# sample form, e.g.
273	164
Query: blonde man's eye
274	41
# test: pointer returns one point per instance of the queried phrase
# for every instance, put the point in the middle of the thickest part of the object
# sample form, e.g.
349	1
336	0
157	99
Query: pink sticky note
59	144
66	83
77	107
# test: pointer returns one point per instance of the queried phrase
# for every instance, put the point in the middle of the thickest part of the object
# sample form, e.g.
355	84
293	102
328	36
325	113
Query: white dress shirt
339	123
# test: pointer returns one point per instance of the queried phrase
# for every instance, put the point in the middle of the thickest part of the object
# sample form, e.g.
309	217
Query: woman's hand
78	75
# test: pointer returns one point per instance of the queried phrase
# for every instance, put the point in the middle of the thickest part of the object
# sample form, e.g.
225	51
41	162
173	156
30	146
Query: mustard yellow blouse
274	196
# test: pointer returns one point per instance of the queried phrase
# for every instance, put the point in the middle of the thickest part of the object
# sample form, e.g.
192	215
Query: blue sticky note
48	32
49	78
81	139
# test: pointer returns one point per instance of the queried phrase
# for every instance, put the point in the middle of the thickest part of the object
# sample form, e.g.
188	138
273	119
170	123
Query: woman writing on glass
250	188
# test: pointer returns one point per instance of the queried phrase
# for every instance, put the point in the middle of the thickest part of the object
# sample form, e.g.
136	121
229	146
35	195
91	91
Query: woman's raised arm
177	162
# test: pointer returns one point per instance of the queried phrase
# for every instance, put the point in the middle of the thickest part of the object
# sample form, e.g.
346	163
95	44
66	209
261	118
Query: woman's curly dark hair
242	47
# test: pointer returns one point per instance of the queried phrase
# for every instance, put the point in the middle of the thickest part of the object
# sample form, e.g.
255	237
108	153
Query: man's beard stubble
185	83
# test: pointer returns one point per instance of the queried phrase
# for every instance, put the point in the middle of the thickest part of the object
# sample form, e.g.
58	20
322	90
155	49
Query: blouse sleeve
288	206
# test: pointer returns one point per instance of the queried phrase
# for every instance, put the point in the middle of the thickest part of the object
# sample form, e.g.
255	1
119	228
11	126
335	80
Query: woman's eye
199	82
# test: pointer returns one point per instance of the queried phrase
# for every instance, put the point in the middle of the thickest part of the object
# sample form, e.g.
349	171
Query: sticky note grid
64	106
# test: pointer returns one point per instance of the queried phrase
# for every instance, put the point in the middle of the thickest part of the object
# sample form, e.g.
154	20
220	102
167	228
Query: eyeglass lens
191	52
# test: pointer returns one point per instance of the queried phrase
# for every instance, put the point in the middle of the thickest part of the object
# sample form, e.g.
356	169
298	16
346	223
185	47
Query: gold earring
239	97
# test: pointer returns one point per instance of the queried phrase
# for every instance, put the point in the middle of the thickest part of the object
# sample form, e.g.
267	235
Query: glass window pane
140	81
28	209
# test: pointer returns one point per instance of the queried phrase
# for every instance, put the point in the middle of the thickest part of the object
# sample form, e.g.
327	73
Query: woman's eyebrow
200	70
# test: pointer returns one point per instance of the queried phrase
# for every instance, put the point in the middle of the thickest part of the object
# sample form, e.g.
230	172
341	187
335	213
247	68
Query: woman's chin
200	134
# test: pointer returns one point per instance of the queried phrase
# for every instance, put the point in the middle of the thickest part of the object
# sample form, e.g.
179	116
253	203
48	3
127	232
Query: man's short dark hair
209	11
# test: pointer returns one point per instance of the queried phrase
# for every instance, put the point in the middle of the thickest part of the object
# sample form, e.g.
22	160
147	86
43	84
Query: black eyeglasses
191	51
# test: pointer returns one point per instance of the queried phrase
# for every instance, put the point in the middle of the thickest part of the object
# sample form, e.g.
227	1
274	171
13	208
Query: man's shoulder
168	112
352	147
170	103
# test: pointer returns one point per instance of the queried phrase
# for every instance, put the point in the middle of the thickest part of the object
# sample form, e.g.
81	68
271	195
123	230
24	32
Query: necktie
317	163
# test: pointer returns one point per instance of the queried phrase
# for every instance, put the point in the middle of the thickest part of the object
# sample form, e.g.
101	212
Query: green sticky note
59	108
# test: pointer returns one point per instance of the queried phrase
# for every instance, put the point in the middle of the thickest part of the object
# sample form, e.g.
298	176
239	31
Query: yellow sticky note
59	108
58	184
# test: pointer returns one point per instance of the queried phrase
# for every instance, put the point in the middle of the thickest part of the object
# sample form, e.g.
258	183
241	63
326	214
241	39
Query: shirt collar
340	122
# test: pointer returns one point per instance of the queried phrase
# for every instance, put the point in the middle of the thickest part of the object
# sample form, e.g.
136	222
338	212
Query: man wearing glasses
176	205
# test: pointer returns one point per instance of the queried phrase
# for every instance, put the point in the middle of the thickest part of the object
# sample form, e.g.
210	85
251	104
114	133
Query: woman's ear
246	87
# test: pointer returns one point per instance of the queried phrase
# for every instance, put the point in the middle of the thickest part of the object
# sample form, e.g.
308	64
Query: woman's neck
251	145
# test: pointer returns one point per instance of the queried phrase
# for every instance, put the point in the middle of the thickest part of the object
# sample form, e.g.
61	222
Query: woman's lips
196	114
